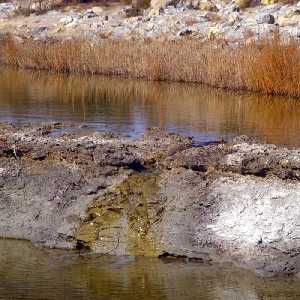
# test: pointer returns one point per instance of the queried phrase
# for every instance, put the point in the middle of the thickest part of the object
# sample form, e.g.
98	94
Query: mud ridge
159	195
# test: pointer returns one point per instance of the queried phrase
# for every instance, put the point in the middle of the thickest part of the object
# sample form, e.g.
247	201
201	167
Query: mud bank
160	195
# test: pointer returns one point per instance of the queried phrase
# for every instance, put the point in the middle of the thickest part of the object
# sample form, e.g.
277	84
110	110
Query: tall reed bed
270	66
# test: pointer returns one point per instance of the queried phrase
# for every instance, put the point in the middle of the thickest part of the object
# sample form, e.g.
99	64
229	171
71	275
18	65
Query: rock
141	4
265	19
194	4
212	32
242	3
161	4
28	6
39	154
94	188
268	2
283	21
185	32
132	12
7	6
60	28
90	14
208	6
39	30
66	20
296	10
233	18
212	17
235	8
97	10
73	24
202	5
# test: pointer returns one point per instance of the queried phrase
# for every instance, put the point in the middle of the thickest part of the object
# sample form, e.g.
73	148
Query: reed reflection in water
131	106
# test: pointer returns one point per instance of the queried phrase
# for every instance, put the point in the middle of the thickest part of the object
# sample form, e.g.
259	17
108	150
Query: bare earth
66	187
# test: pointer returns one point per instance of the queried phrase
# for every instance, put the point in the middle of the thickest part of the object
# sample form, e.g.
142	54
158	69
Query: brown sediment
269	66
124	216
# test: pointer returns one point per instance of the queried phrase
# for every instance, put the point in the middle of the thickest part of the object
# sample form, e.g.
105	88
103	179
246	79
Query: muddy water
32	273
131	106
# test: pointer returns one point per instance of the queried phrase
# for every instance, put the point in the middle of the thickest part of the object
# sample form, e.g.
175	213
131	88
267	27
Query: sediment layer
66	187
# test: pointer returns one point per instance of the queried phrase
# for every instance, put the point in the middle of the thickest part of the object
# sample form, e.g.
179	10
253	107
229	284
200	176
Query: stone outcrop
242	3
235	21
161	4
159	195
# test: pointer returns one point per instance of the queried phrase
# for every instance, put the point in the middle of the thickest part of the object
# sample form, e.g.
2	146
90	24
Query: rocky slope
159	195
207	19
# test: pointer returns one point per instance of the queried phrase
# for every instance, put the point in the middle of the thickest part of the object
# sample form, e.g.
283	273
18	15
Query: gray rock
39	30
132	12
90	14
185	32
265	19
7	10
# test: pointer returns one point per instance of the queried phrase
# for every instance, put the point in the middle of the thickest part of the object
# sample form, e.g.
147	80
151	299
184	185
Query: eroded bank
66	187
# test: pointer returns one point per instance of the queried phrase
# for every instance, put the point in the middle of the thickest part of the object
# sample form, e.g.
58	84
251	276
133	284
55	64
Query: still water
33	273
131	106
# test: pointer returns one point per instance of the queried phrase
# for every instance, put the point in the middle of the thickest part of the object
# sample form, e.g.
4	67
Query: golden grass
271	66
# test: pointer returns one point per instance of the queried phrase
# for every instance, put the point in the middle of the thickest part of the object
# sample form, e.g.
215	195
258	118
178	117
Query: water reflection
31	273
131	106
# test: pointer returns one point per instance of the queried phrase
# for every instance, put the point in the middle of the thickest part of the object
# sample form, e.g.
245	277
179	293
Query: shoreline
262	67
155	196
220	45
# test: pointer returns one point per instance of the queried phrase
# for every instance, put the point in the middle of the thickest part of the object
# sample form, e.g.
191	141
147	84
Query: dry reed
270	66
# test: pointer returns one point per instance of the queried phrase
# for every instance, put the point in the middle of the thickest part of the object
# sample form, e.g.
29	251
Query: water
33	273
131	106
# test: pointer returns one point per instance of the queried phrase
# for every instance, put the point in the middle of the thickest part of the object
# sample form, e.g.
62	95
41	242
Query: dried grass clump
271	66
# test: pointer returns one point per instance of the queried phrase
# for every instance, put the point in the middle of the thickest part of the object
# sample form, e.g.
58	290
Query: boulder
242	3
202	5
97	10
132	12
161	4
233	18
185	32
141	4
268	2
7	9
28	6
265	19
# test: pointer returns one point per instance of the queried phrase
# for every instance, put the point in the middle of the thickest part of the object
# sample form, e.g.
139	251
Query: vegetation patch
268	66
